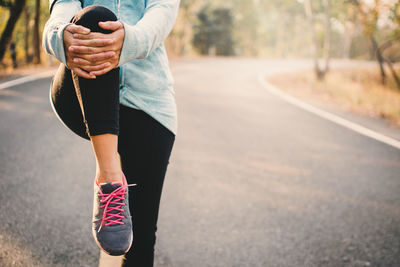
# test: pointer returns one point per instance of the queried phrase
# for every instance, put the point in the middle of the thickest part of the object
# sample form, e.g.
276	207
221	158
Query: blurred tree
320	71
370	14
214	31
36	35
13	55
393	40
273	28
223	26
5	3
15	11
28	57
247	32
203	35
179	39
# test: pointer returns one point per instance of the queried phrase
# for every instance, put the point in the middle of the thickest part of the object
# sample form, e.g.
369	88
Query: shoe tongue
109	187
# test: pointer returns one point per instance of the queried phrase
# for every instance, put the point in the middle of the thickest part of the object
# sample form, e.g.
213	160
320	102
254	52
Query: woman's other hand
81	69
93	50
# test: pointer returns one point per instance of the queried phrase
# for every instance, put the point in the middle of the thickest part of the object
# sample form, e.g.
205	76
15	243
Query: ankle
109	176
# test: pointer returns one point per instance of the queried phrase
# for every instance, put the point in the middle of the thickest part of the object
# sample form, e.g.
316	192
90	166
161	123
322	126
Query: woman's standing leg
145	147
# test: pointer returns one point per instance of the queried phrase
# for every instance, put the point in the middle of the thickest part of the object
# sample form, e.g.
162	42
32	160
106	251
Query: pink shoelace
116	198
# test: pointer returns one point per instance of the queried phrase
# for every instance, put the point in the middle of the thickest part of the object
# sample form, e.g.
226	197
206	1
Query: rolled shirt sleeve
61	15
150	31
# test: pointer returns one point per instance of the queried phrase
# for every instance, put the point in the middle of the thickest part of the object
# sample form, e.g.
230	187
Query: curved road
253	181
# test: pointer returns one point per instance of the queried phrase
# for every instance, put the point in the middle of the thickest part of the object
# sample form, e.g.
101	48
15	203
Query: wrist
61	33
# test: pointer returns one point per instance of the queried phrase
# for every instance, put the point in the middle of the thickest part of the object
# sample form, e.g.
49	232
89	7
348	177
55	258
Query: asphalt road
252	181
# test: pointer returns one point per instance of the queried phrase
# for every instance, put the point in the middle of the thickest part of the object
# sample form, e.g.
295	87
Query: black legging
143	143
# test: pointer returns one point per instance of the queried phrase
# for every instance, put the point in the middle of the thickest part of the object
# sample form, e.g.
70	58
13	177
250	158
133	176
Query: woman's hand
98	53
98	60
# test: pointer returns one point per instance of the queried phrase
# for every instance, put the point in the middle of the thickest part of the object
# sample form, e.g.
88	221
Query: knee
90	16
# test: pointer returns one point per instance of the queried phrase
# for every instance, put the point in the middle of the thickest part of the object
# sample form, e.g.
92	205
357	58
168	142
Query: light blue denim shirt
146	82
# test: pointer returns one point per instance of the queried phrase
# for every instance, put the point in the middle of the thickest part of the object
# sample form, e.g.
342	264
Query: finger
88	49
96	68
93	59
101	56
92	35
101	72
83	62
110	25
93	42
73	28
84	74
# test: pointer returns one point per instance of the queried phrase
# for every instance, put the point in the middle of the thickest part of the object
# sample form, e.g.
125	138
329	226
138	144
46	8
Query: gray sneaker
112	224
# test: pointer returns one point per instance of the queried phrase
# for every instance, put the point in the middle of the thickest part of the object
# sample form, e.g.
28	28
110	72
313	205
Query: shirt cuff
129	47
59	52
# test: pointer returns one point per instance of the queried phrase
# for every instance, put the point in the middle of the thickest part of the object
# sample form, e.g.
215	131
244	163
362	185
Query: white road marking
26	79
262	78
272	89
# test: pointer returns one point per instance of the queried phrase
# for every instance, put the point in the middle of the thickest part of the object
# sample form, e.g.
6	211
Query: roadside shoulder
372	126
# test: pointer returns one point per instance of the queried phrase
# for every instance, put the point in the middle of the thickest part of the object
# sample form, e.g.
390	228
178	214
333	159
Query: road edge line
26	79
262	79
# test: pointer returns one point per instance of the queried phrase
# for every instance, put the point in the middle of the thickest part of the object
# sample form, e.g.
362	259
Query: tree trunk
348	38
36	37
28	57
15	12
379	57
393	71
311	20
320	72
327	42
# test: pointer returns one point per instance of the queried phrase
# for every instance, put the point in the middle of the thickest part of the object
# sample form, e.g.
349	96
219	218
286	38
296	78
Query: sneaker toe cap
115	243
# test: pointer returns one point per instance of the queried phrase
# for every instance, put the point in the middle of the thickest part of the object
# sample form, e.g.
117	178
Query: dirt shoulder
355	90
11	74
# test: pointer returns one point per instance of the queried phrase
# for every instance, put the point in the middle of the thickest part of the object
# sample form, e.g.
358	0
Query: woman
114	88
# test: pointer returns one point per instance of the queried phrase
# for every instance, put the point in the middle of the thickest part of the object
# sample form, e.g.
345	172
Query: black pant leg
145	147
99	98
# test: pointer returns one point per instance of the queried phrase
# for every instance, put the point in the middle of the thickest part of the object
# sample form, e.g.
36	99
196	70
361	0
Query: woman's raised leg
99	101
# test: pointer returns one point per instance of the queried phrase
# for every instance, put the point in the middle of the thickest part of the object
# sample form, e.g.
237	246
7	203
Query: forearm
52	41
141	39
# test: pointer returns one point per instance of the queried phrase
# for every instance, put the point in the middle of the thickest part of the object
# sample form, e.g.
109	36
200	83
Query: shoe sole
115	254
